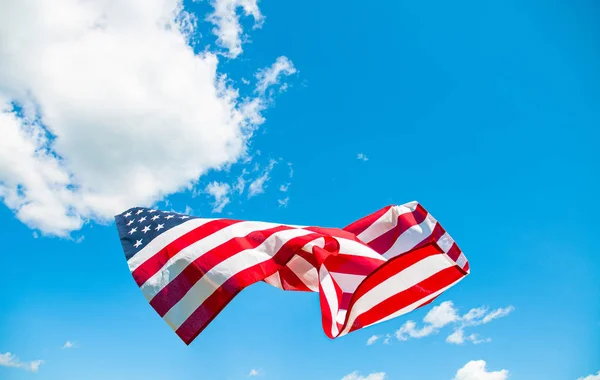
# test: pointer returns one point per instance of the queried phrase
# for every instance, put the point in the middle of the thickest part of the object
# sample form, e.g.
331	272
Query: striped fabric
382	266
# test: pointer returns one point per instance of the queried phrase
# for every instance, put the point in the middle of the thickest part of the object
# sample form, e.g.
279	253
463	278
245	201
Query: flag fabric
377	268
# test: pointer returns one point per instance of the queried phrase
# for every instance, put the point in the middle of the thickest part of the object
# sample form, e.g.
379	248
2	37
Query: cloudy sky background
301	113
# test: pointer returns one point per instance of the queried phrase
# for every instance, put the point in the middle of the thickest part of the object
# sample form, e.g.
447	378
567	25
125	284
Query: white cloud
441	315
283	202
498	313
458	337
227	28
446	314
219	191
284	188
409	330
116	109
372	376
362	156
69	344
259	184
591	377
438	317
272	75
10	360
253	372
373	339
240	184
476	370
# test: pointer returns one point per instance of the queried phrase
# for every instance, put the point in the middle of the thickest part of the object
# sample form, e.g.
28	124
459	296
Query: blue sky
487	114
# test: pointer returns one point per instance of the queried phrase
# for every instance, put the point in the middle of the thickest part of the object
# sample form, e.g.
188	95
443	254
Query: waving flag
379	267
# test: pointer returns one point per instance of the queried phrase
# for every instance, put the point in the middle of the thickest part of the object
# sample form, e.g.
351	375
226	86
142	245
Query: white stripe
401	281
386	222
328	291
274	280
461	261
347	282
226	269
305	271
176	264
445	242
411	237
162	240
351	247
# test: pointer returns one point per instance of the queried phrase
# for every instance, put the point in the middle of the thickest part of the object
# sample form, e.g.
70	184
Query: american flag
377	268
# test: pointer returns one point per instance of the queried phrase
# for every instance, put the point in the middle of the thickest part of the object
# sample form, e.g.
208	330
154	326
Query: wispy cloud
220	192
272	75
283	202
373	376
446	314
476	370
373	339
253	372
69	344
10	360
362	157
259	184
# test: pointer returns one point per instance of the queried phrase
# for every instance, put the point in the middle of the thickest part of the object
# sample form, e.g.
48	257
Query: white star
138	243
139	212
159	227
134	229
142	219
146	229
169	217
155	217
184	217
151	211
128	214
130	222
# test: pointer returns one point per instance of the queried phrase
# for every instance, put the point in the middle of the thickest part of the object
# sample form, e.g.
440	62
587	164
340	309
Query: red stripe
327	319
454	252
215	303
168	296
351	264
394	266
409	296
361	225
290	281
405	221
151	266
436	234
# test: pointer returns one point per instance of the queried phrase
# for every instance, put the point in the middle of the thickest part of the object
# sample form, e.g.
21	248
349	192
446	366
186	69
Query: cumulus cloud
219	191
362	157
476	370
105	105
447	314
591	377
227	28
10	360
373	376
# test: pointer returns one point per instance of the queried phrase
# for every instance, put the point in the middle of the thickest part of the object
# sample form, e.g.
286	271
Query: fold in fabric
379	267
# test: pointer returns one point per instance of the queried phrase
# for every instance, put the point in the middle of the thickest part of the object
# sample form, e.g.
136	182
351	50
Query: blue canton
138	226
